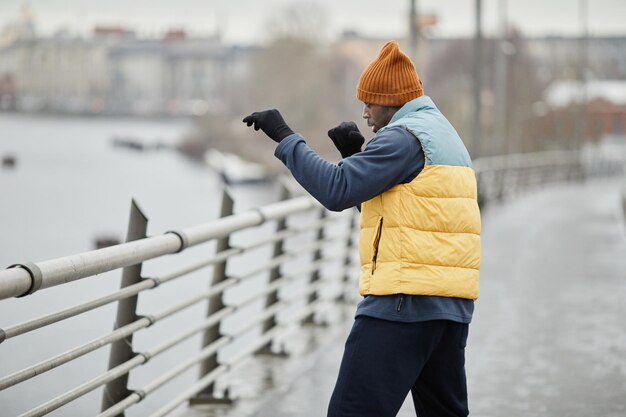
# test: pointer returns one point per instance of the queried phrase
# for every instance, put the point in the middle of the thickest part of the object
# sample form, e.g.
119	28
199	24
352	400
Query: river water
70	181
69	186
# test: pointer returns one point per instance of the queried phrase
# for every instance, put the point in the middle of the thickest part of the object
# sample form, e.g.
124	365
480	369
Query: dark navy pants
384	360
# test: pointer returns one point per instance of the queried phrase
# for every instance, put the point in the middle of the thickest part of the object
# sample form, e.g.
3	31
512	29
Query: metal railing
503	176
307	240
498	177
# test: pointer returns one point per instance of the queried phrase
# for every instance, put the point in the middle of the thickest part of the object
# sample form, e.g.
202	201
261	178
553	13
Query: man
419	242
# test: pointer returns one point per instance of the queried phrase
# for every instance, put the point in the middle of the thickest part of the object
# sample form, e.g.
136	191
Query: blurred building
604	101
113	72
22	28
561	57
62	73
174	75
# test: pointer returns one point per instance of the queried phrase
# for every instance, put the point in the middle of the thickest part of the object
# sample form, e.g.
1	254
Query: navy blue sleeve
392	157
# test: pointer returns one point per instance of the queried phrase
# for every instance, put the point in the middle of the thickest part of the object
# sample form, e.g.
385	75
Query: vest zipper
379	232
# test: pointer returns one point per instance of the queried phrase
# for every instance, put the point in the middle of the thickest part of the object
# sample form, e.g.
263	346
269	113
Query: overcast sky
244	21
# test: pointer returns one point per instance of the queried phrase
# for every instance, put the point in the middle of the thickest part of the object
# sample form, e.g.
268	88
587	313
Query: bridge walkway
549	331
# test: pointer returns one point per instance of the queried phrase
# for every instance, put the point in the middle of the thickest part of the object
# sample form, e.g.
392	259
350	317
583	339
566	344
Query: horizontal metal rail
118	334
190	392
279	260
43	321
219	257
18	281
72	354
281	282
500	176
202	383
163	379
149	283
222	256
126	367
290	232
530	160
166	377
146	284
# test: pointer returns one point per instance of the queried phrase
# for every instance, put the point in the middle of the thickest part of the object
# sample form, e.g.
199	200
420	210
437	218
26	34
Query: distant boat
235	170
130	143
9	161
138	144
105	241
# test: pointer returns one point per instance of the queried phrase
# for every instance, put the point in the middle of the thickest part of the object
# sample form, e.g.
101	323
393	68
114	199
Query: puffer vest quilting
423	237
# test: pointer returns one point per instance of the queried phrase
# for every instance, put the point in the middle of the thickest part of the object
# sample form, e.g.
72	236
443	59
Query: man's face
378	116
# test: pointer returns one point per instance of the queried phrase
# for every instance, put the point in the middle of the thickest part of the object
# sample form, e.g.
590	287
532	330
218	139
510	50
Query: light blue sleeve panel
439	137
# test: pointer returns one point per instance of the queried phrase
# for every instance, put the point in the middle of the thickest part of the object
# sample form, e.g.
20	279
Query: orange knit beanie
389	80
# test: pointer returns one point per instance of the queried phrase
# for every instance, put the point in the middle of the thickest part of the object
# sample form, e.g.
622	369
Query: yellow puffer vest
423	237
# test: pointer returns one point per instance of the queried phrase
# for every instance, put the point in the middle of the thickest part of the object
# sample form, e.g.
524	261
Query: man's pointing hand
271	122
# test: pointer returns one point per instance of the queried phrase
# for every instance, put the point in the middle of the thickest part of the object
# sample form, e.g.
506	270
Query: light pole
581	119
413	32
478	64
501	143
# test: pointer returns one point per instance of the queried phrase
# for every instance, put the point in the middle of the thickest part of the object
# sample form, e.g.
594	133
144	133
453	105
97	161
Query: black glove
347	138
271	123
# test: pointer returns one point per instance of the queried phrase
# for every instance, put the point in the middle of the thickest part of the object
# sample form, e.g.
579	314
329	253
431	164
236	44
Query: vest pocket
376	242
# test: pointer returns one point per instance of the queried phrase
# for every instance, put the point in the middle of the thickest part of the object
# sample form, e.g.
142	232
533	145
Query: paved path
549	337
549	332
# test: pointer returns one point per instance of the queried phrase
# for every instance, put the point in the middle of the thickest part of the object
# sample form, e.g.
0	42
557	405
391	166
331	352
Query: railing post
315	275
624	200
347	262
500	177
122	350
484	187
272	297
215	303
580	167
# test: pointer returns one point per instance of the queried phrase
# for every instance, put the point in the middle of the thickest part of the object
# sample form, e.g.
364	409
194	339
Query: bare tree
294	73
